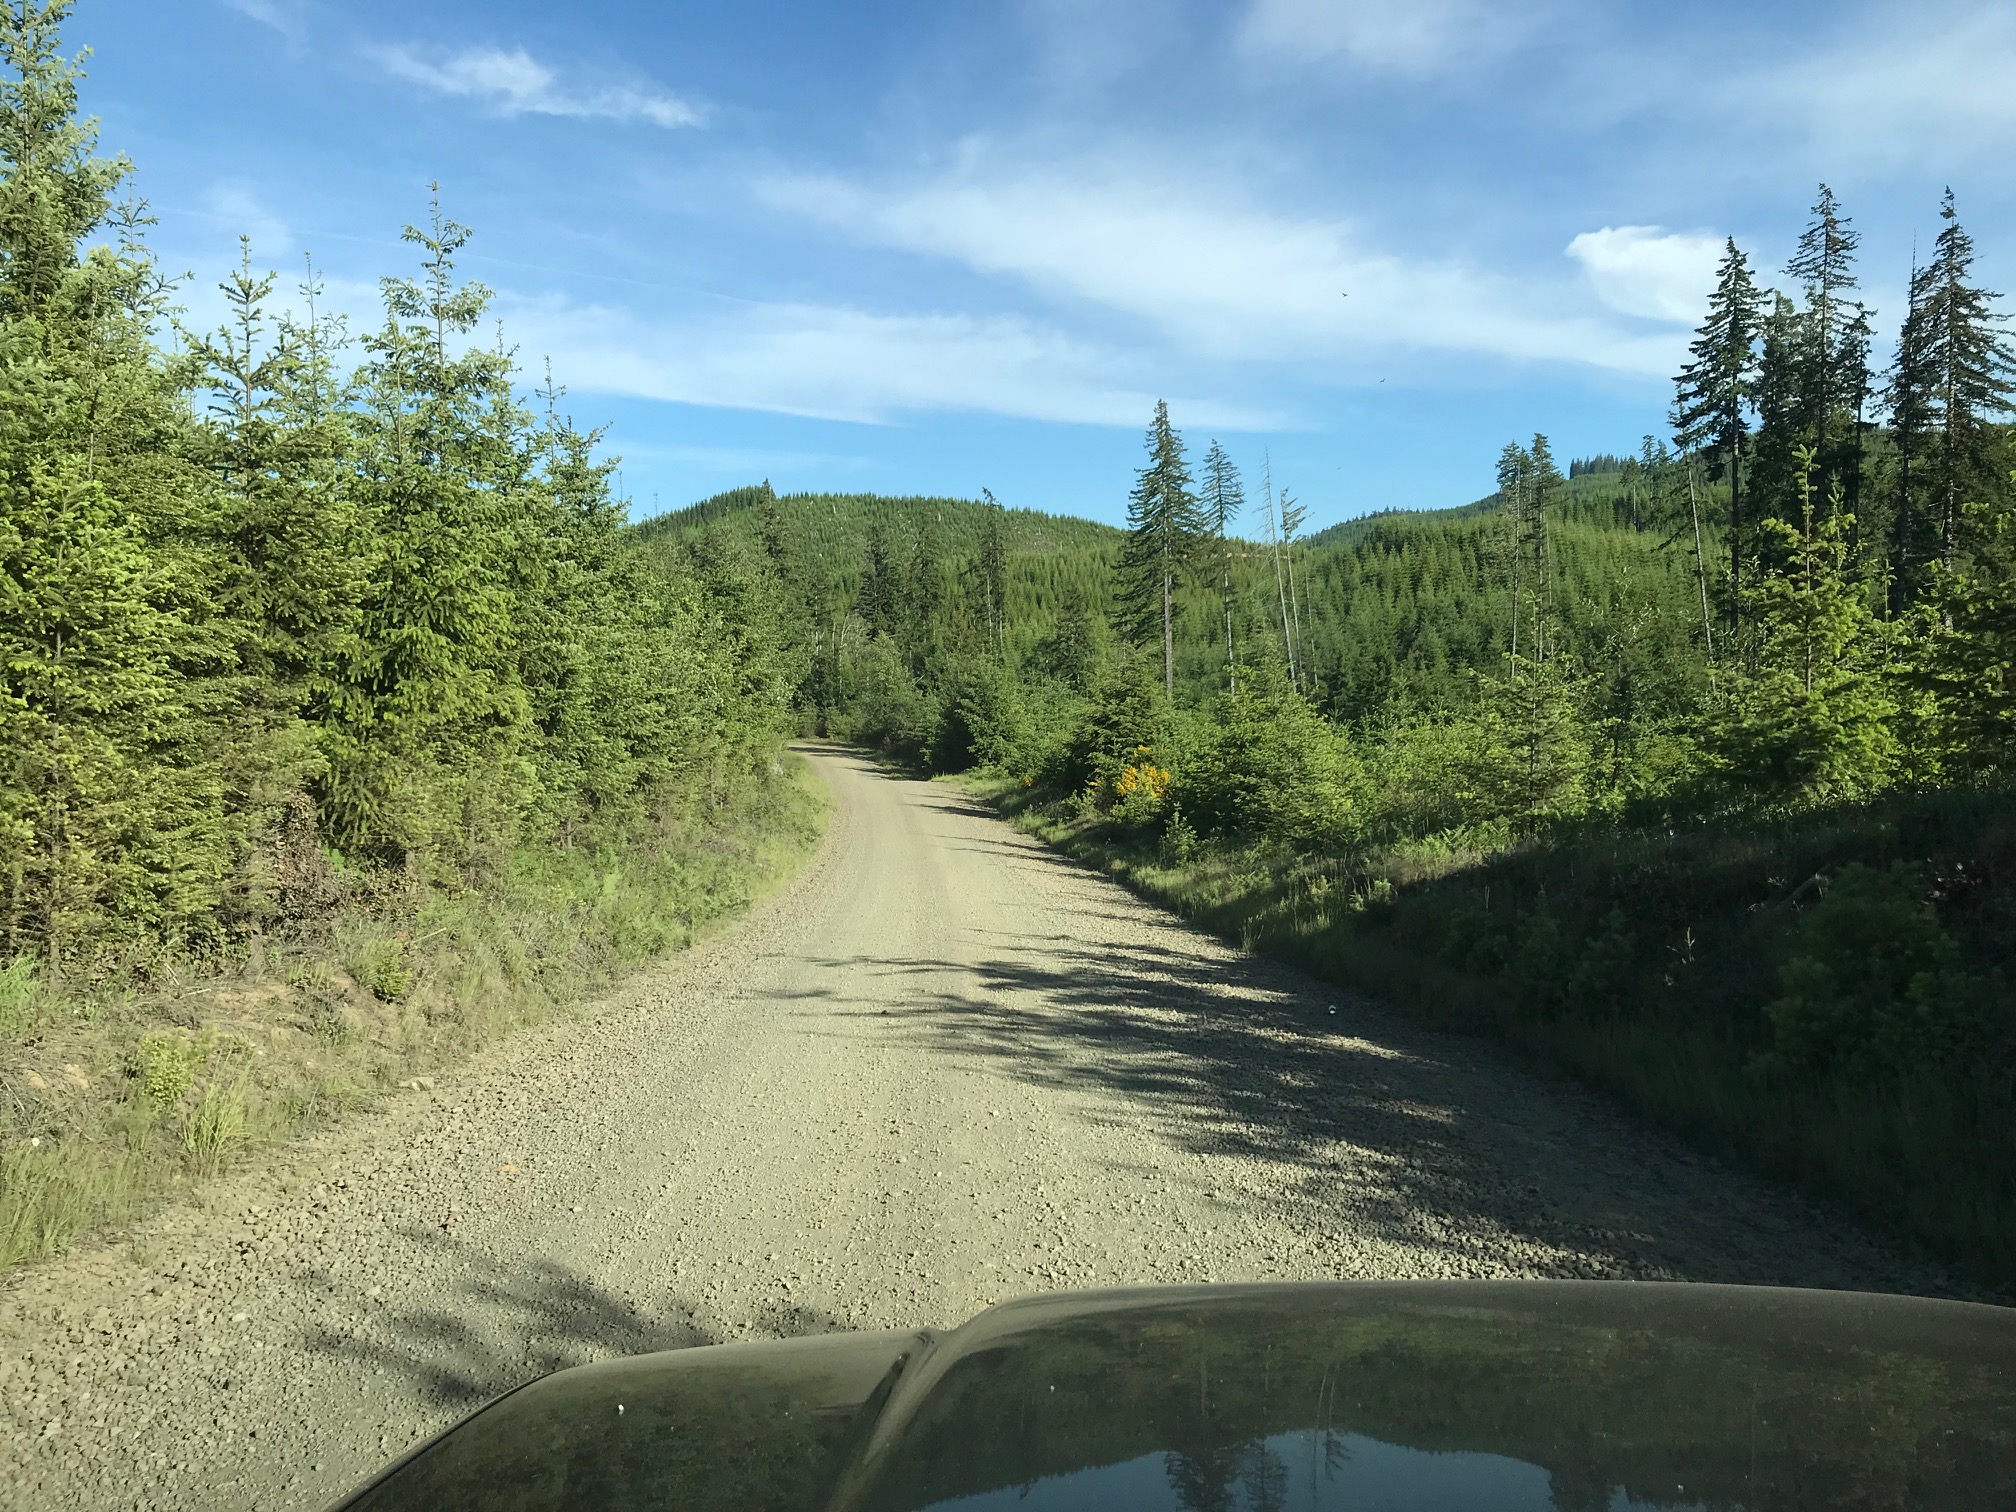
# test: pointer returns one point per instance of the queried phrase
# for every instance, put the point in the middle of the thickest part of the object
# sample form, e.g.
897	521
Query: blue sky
910	247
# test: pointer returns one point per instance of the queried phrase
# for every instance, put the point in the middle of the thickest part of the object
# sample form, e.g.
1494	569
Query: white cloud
1221	275
1913	86
1643	270
516	83
1407	36
238	211
281	15
835	363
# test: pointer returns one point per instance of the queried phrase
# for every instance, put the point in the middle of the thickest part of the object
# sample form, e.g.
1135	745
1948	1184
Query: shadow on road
1369	1129
500	1324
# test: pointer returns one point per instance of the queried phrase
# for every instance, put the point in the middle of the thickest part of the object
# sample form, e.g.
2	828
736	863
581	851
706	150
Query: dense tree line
275	598
1786	630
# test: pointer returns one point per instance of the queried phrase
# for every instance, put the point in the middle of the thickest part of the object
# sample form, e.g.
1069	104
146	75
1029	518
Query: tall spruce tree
1908	393
1163	527
1515	476
1972	365
1824	265
1783	412
1223	501
1715	391
993	568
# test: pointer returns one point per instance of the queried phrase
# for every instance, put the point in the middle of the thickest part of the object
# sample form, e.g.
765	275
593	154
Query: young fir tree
1714	392
429	708
1223	500
1811	720
1533	760
1972	365
1163	526
290	561
112	819
1969	664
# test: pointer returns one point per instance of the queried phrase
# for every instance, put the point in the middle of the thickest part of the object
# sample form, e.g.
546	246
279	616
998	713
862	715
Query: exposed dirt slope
942	1068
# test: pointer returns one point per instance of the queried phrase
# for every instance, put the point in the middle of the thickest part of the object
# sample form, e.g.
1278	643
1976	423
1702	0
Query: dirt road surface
943	1067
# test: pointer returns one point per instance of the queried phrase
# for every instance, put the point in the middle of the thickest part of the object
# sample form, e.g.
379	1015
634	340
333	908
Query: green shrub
1874	989
165	1063
377	960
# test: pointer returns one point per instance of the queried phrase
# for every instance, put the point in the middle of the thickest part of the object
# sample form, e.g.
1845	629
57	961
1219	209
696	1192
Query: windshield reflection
1319	1470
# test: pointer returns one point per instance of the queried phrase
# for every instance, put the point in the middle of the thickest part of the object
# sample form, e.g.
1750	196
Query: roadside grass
1647	966
127	1088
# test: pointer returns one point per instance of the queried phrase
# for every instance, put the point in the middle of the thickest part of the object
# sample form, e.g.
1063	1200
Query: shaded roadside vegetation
343	723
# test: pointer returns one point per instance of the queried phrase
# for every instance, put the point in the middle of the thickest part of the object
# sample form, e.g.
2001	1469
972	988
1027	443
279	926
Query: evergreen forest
346	720
1688	768
342	722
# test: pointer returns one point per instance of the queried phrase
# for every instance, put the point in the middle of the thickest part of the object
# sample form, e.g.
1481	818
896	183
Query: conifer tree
1163	526
1543	490
994	575
1784	412
1972	365
1913	534
881	600
430	702
1715	391
109	823
1515	472
1811	719
1829	409
1293	512
1223	501
1280	576
1970	663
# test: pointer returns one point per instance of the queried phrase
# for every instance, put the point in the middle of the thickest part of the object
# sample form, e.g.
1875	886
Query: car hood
1446	1395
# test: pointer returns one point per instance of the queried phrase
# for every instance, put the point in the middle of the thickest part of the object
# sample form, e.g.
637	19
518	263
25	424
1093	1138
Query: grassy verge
1658	967
118	1092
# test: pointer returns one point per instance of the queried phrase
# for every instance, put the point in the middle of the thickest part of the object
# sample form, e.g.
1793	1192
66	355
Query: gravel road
943	1067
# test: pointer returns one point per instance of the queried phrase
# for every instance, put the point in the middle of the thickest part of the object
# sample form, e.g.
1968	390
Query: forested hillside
340	722
1690	768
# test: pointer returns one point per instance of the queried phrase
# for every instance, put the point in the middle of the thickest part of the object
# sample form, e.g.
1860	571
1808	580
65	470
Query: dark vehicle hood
1574	1396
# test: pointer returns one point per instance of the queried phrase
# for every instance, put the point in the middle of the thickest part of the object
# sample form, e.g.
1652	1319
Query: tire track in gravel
942	1067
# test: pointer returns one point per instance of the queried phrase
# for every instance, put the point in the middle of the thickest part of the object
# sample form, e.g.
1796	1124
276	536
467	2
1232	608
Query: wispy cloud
283	16
1405	36
1648	271
837	363
238	211
513	82
1928	87
1216	272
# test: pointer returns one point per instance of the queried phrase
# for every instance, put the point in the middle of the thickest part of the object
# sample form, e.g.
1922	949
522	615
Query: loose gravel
943	1067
